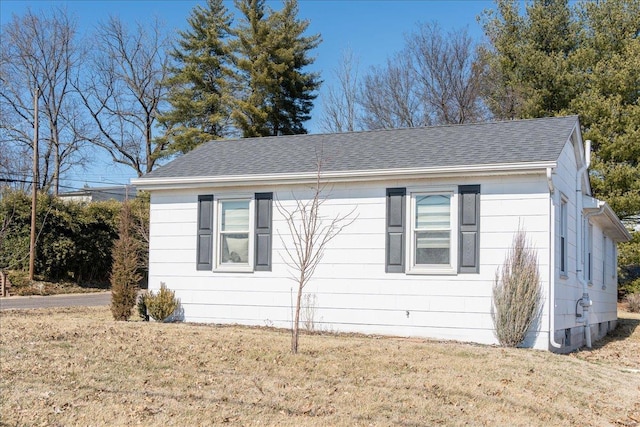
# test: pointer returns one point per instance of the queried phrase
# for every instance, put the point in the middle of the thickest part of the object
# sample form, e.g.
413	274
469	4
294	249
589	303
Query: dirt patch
76	366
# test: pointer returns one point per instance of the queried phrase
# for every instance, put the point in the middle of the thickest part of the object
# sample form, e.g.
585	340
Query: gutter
168	183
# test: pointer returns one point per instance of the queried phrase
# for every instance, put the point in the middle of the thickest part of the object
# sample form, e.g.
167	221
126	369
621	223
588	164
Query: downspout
585	301
552	282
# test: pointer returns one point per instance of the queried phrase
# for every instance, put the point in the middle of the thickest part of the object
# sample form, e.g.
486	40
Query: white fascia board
150	184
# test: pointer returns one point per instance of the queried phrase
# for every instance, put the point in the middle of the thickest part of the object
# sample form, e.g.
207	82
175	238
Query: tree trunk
296	322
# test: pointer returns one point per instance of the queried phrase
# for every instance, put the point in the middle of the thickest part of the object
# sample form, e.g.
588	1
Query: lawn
77	366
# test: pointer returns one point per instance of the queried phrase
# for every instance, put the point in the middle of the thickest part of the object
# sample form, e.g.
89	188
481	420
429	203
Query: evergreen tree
528	71
585	61
271	55
200	87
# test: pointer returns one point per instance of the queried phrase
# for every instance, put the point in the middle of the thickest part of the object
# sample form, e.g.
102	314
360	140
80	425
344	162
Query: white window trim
435	269
219	267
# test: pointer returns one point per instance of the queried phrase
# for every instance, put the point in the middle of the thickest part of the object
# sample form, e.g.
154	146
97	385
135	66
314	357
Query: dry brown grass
76	366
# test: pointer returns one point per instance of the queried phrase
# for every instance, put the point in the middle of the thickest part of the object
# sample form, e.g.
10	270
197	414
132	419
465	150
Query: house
99	194
437	209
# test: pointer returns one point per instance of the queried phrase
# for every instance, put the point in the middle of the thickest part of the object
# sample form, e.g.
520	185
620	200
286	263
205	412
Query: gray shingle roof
517	141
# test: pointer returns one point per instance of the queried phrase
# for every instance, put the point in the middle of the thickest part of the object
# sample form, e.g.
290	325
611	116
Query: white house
437	209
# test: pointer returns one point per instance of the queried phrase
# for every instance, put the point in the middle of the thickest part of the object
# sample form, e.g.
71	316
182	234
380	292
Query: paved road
67	300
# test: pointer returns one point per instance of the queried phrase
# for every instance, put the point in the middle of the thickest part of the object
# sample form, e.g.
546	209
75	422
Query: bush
162	305
124	274
516	293
74	240
634	302
142	307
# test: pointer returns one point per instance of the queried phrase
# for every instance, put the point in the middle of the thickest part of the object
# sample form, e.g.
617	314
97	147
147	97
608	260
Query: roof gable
493	143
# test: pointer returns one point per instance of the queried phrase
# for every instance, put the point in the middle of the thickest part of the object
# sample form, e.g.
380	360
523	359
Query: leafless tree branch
310	234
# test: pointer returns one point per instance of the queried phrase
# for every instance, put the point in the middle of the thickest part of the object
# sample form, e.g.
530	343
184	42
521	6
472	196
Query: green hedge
74	239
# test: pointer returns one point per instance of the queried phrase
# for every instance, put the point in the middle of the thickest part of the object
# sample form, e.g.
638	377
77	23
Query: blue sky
372	29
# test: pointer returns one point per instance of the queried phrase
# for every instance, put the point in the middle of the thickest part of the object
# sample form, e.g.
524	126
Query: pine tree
584	61
528	71
200	87
271	55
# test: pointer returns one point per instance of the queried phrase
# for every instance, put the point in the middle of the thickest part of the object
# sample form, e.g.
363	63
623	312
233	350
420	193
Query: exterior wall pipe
586	301
552	282
579	243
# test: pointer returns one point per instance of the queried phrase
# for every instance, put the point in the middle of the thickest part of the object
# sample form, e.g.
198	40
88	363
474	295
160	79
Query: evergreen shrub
162	305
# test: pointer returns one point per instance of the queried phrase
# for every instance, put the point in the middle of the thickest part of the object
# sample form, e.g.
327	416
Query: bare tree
340	106
39	51
311	232
124	91
435	79
446	68
390	98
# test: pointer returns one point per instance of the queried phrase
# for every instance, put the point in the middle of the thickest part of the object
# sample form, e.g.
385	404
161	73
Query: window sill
432	271
233	269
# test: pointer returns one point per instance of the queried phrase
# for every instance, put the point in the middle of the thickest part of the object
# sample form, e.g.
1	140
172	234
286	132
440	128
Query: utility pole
34	186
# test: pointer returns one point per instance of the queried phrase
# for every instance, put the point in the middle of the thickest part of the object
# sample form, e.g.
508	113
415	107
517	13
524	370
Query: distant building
98	194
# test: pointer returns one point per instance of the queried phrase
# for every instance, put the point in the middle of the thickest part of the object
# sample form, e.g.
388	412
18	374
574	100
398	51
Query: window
563	236
233	232
433	247
589	253
605	259
242	233
433	232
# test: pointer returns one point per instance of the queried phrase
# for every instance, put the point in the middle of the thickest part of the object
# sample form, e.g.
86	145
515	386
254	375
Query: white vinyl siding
353	291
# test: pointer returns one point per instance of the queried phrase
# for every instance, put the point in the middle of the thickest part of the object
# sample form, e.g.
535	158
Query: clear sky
372	29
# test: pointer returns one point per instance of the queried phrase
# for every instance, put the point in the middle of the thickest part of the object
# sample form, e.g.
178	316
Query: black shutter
469	229
264	202
395	256
205	233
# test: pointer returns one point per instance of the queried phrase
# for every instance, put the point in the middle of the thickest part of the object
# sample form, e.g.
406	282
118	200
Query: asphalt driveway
66	300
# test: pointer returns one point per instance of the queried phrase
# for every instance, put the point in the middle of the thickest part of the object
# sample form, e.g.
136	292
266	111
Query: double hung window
432	230
439	227
234	233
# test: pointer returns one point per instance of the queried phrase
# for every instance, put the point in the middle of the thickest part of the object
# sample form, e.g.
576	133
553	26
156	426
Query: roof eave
173	183
609	221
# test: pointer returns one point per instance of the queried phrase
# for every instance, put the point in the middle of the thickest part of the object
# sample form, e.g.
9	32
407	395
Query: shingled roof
492	143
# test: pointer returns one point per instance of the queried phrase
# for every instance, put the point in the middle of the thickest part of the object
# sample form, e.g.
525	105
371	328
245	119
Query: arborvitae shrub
161	305
124	273
517	297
